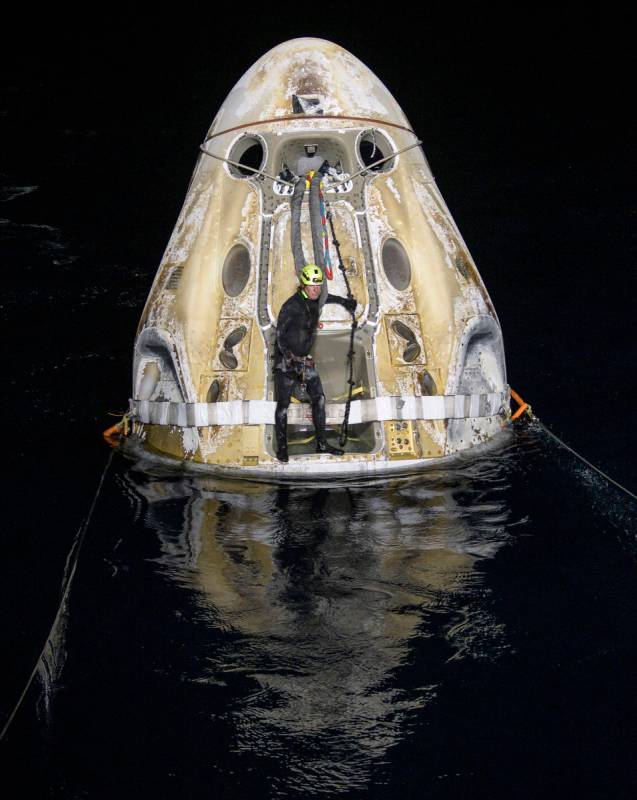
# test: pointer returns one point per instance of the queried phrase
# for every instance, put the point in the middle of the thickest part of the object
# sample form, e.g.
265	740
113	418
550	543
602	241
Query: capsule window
427	384
214	391
374	146
236	270
396	264
249	153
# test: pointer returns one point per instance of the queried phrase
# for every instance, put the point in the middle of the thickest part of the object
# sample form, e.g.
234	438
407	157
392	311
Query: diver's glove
349	303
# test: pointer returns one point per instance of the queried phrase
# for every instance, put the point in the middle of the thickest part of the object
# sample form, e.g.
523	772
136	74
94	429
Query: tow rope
260	172
239	166
350	354
67	581
374	164
526	408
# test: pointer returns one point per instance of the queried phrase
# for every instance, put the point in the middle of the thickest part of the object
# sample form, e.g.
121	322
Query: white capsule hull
429	370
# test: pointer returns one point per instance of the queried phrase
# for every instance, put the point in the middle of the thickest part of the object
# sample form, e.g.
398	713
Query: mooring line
584	460
525	408
69	573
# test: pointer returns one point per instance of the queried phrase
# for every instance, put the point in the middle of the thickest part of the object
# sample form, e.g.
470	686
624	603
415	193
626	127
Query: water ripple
329	593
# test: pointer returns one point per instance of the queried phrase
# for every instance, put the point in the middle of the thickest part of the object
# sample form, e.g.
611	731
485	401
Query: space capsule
420	376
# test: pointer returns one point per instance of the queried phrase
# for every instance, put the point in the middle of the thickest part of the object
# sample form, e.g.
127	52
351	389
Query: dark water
466	632
444	635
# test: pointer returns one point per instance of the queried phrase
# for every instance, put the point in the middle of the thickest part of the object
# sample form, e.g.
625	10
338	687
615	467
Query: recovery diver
296	332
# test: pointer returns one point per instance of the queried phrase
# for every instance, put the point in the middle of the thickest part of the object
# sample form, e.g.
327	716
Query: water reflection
342	604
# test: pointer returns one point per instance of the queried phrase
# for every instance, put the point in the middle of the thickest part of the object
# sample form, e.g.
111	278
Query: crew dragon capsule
419	376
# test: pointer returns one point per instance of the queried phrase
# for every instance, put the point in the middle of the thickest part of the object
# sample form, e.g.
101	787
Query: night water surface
428	636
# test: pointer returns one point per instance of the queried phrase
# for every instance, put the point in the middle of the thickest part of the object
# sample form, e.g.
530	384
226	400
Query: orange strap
115	432
112	434
520	411
523	406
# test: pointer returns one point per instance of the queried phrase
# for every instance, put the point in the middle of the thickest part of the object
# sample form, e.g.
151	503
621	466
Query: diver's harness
299	364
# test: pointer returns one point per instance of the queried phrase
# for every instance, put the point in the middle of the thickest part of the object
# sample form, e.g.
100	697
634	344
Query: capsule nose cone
307	76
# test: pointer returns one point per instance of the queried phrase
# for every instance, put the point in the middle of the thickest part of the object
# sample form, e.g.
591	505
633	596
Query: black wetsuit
295	335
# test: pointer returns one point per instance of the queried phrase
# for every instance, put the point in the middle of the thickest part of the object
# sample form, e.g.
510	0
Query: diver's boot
318	416
281	432
323	447
282	448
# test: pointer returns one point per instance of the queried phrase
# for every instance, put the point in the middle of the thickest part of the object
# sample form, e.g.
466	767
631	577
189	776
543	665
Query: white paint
393	189
210	445
345	85
190	440
437	221
188	227
390	299
438	436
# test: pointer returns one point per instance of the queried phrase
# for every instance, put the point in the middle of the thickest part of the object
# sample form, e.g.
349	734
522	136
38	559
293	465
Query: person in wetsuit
296	332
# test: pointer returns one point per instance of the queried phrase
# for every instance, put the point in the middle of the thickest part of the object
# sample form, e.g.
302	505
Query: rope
329	185
350	354
375	164
314	118
525	407
581	458
245	166
69	573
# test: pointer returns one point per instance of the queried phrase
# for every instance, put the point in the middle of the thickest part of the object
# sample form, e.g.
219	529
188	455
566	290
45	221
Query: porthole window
427	384
396	264
374	146
249	153
214	391
236	270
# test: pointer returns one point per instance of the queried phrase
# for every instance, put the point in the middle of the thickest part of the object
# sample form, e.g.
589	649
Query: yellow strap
358	390
303	441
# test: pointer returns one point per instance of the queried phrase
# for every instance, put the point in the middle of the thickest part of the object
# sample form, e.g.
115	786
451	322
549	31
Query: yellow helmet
311	275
